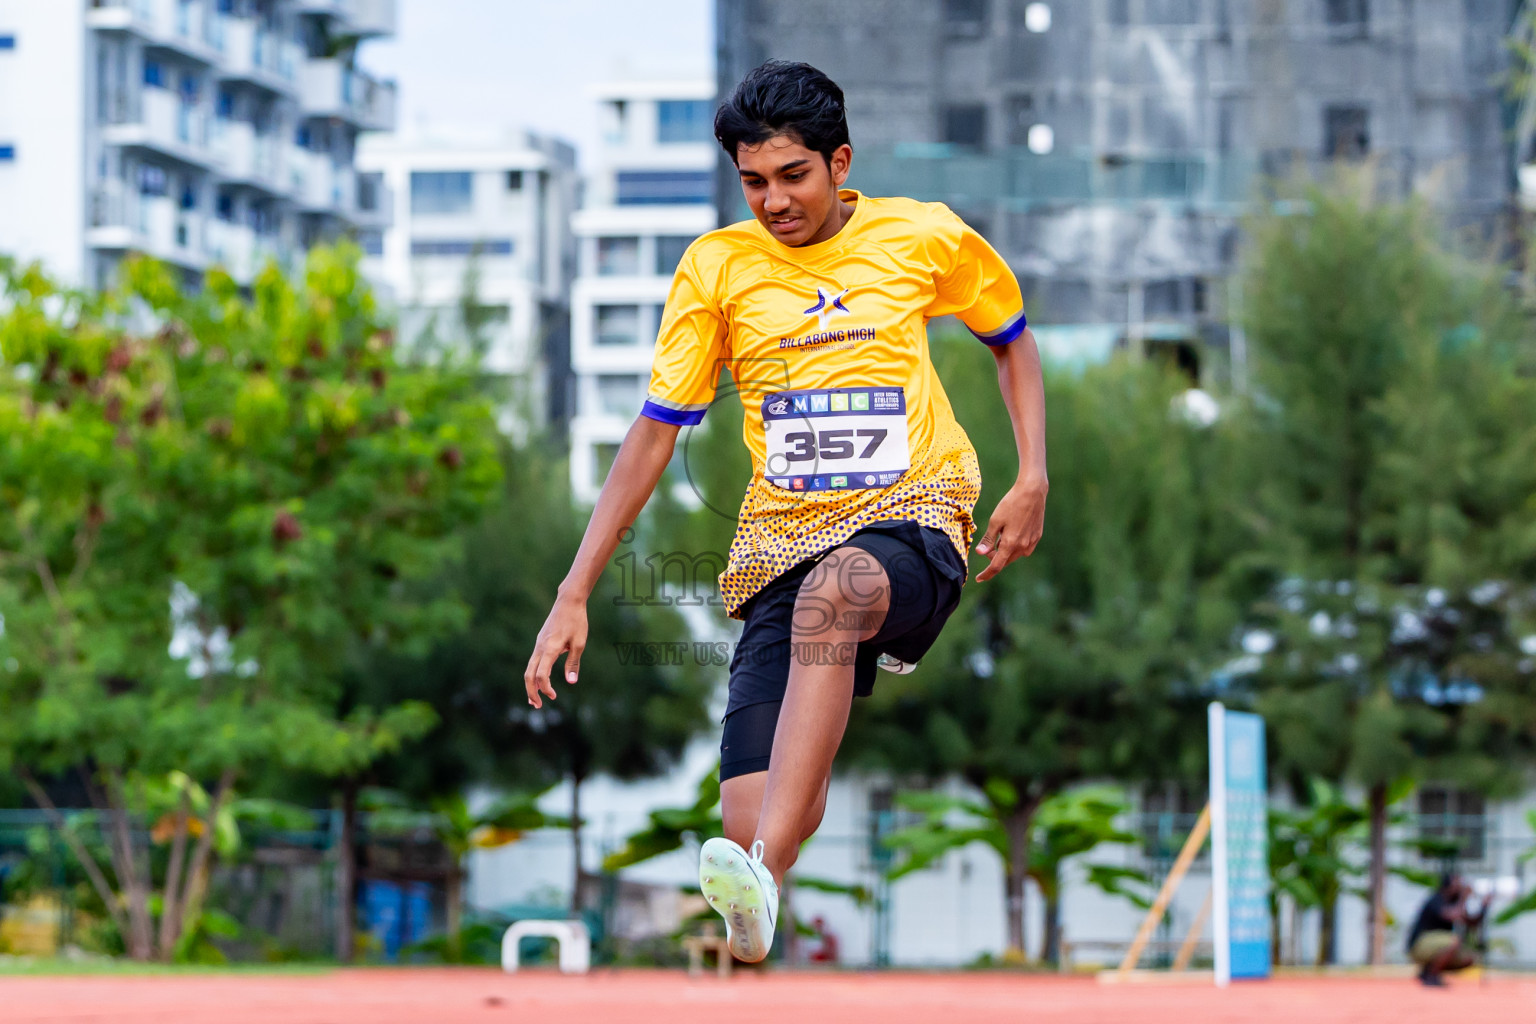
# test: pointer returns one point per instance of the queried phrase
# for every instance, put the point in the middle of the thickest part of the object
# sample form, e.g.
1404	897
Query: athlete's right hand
564	632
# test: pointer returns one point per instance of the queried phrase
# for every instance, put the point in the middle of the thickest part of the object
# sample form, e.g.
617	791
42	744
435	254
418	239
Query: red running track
482	996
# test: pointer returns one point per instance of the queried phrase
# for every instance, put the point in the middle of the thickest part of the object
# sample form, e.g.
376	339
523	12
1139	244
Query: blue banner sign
1240	845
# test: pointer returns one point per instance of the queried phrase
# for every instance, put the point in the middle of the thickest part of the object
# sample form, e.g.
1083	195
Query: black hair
783	97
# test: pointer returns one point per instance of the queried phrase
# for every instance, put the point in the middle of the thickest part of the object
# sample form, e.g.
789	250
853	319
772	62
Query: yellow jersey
827	345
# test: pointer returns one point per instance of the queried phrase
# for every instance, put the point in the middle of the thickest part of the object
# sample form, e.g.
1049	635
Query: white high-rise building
650	193
497	206
197	131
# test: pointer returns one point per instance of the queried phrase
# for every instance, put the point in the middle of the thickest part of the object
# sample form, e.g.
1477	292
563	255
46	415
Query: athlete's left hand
1015	526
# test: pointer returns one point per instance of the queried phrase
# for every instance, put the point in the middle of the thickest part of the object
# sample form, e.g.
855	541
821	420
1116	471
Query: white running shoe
743	891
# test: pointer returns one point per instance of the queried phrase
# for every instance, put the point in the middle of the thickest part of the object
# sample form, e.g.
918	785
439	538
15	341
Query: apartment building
498	207
1109	148
197	131
650	193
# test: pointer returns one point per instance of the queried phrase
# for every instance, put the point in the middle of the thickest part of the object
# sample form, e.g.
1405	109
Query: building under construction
1110	148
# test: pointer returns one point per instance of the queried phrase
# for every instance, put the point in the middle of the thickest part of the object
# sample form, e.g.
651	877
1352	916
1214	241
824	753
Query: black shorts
926	575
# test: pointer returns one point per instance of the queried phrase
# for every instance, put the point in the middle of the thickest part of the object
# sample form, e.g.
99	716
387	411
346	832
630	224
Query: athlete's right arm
641	460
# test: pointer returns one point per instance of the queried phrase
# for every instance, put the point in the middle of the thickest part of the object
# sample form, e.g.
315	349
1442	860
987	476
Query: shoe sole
733	891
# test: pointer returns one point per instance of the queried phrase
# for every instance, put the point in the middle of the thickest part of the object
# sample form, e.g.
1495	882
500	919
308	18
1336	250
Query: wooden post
1187	951
1165	894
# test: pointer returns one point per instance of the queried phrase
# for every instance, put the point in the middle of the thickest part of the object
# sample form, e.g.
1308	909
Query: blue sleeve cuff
1011	329
684	416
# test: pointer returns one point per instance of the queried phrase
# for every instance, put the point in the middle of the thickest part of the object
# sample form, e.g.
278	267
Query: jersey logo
827	306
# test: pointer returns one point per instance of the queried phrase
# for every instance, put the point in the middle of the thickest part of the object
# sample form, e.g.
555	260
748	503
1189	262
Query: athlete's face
793	190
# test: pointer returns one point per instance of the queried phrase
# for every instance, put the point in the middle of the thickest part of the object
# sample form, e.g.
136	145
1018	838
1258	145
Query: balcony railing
232	246
1023	178
110	206
250	156
159	119
189	29
138	10
122	218
370	17
254	53
331	89
315	176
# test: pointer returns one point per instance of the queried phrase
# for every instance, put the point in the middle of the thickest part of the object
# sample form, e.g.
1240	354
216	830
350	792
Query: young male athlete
850	548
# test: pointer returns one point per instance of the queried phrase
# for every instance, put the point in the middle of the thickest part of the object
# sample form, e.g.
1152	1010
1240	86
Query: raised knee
848	591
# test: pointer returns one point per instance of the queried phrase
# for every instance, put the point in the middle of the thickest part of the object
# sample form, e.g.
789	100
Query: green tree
1525	904
642	695
636	710
1309	860
1068	824
204	527
671	827
1081	663
1392	439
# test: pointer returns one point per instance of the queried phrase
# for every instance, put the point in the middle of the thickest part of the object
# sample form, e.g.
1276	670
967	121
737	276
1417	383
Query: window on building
618	256
965	19
442	192
619	394
461	247
614	116
1172	12
965	124
1227	118
7	42
1348	12
1174	296
651	188
370	190
372	242
224	207
669	252
514	181
684	121
618	325
1346	133
154	73
1023	116
1454	818
7	151
263	219
153	181
1168	815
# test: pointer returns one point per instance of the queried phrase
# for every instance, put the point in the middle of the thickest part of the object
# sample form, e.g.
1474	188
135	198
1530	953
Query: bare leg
741	800
1453	958
842	602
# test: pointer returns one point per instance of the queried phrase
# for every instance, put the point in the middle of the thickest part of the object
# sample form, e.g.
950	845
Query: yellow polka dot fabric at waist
779	529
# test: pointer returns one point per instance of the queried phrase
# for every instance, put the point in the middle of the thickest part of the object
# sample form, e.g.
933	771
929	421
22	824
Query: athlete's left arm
1019	519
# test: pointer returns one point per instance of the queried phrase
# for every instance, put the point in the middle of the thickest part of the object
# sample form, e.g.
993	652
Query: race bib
836	439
